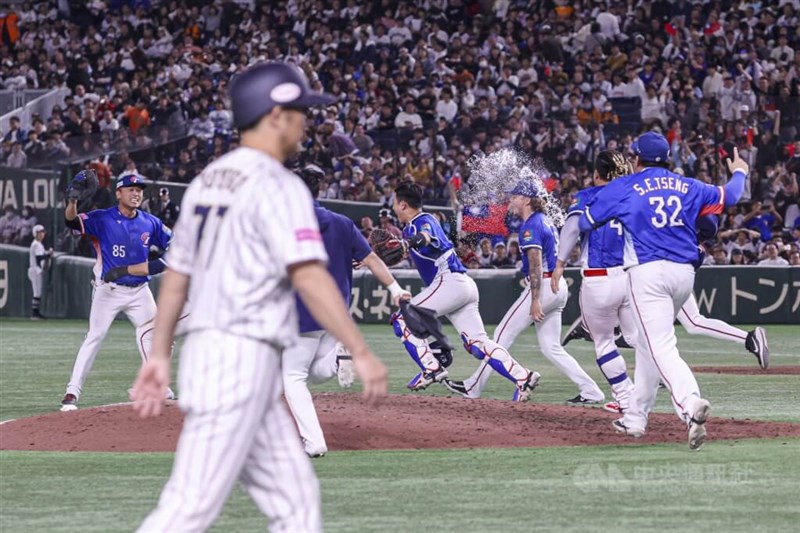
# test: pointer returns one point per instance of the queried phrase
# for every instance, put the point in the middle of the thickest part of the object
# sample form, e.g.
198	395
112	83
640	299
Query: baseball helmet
258	89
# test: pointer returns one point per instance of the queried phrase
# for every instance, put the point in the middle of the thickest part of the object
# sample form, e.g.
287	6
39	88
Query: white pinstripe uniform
243	221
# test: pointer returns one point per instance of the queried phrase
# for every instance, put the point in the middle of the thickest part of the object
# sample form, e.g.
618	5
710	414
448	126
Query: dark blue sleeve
361	248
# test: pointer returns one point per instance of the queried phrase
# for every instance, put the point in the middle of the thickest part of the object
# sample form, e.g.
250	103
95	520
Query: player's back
243	220
661	219
603	247
436	257
343	244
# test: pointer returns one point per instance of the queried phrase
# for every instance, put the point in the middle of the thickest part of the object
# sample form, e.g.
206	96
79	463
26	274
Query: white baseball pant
236	428
455	295
108	299
696	324
604	305
311	359
35	275
656	291
548	333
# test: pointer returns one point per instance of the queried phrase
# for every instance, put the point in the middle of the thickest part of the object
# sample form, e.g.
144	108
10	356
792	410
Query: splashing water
492	176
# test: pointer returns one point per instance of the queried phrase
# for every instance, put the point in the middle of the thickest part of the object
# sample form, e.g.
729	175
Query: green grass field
732	486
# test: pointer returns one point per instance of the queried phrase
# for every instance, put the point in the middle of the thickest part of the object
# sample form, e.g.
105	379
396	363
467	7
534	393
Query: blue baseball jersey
658	210
538	232
603	247
437	256
121	241
344	244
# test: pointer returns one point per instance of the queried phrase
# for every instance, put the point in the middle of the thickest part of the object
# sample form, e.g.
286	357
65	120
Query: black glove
115	273
83	185
417	241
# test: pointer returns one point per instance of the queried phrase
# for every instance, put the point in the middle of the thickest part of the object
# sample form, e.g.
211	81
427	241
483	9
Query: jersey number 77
210	216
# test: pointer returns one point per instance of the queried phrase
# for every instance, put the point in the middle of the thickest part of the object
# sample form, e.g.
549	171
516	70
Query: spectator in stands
771	257
762	217
386	221
15	132
27	221
17	157
501	259
166	209
738	258
367	225
485	254
9	225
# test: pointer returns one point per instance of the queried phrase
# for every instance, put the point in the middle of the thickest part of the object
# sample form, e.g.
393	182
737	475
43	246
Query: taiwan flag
490	220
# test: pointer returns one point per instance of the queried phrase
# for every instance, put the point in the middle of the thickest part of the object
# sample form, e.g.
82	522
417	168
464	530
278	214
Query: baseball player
449	292
37	258
121	236
658	211
603	294
246	235
537	304
317	356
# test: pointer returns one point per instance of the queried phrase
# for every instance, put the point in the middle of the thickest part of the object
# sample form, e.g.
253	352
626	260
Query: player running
658	211
537	304
603	295
449	292
317	356
122	236
245	237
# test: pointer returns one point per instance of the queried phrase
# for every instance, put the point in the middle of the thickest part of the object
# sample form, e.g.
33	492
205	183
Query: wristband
395	289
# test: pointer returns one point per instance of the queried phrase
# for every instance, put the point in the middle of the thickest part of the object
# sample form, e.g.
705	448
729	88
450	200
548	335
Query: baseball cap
385	213
163	190
525	188
131	180
652	147
37	228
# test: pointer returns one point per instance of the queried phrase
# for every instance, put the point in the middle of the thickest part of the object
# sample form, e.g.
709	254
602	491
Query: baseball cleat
424	379
170	395
69	403
344	367
576	331
613	407
580	400
620	427
619	339
697	424
523	392
456	387
756	343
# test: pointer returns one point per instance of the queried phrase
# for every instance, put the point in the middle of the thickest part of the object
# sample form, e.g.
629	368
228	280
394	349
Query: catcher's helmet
263	86
312	176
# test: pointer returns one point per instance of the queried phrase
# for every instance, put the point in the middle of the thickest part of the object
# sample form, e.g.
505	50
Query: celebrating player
658	211
317	356
245	236
37	256
537	304
122	236
603	296
450	292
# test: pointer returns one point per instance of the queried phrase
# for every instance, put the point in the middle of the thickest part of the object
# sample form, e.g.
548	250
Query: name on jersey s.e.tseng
661	184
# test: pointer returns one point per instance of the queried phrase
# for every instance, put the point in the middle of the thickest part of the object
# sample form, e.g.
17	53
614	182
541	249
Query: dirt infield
749	370
402	422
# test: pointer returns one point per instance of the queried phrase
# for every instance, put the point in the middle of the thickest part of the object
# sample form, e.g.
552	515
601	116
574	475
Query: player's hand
737	163
405	295
558	273
536	311
150	388
373	375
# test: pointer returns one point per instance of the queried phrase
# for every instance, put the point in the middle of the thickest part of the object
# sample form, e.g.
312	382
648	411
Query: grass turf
738	486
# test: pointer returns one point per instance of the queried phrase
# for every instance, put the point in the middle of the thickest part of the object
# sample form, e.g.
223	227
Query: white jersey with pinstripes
243	221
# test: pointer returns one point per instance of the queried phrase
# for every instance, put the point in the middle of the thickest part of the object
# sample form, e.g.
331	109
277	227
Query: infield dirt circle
402	422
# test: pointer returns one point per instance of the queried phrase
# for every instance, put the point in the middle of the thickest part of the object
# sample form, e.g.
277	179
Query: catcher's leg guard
417	348
478	350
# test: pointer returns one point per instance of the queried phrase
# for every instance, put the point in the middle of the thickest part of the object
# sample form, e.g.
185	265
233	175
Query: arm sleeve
163	235
734	188
570	234
75	223
157	266
361	247
611	202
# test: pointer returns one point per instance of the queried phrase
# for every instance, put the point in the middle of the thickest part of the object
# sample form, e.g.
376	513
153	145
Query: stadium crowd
422	86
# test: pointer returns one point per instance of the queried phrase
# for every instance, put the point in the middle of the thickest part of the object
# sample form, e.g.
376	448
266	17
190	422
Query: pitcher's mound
402	422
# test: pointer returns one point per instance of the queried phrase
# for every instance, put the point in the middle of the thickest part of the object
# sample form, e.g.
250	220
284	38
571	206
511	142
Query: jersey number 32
666	211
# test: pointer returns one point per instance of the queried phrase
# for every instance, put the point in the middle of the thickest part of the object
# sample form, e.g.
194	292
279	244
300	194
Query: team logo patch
146	238
527	234
426	227
134	179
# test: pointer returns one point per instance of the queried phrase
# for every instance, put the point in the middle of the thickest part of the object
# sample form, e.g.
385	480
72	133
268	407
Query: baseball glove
388	247
82	186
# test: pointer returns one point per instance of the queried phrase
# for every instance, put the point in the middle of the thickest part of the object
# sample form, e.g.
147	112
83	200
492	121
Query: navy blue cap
525	188
263	86
651	146
131	180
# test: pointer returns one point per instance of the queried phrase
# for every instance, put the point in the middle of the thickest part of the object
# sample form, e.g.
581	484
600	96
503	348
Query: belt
547	275
129	285
594	272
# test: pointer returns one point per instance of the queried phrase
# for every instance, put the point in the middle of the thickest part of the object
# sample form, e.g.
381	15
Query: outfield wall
740	295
